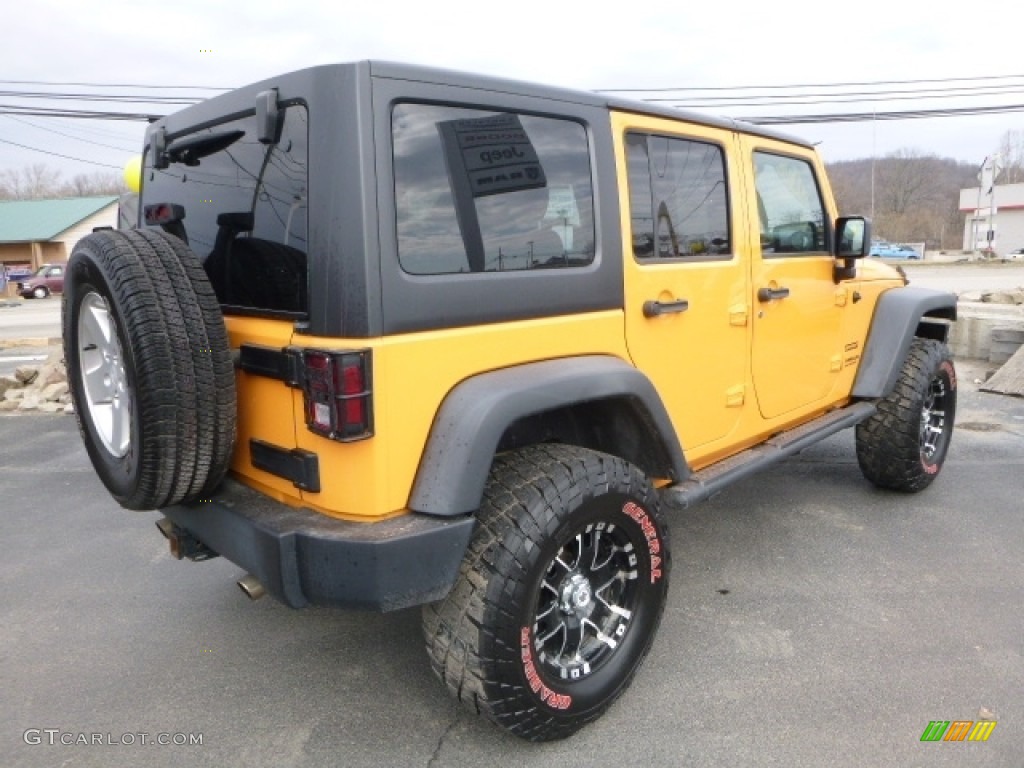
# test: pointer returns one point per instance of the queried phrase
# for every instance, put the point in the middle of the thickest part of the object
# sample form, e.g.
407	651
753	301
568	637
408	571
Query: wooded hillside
916	197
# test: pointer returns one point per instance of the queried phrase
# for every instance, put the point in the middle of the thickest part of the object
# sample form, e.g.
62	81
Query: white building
994	218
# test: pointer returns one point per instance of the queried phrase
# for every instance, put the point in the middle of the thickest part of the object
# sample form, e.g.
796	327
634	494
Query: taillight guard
337	393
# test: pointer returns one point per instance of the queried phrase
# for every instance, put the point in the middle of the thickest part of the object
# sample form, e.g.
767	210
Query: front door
687	289
797	347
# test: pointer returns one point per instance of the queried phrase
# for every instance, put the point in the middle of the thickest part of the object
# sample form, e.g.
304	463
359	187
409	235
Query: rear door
687	286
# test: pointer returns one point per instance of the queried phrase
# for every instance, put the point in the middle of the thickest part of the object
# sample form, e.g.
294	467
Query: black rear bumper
303	557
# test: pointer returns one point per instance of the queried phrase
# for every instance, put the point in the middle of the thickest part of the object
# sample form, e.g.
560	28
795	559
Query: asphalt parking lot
812	621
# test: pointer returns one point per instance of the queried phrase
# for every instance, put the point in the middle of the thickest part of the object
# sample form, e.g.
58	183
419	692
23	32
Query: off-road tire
549	517
143	295
903	445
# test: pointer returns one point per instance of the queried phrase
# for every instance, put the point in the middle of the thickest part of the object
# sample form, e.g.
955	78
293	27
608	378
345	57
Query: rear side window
245	209
678	198
483	191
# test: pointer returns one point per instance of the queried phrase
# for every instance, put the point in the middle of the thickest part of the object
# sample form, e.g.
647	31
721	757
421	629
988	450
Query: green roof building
36	232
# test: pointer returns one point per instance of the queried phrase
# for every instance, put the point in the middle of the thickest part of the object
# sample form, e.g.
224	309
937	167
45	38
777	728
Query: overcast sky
583	45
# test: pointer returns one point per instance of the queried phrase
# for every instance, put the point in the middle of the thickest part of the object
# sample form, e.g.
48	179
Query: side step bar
709	481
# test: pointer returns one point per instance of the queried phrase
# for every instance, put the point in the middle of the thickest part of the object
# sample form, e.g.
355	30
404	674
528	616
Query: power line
17	109
58	154
130	98
116	85
852	117
847	98
808	85
68	135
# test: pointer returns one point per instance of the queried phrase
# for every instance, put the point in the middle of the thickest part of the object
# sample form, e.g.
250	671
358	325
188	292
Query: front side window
678	197
789	206
484	191
245	208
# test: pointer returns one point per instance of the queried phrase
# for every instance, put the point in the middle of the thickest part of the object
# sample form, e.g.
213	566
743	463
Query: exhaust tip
252	587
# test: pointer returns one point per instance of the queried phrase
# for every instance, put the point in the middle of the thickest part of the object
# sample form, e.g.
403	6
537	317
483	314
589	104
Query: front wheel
560	594
40	293
903	446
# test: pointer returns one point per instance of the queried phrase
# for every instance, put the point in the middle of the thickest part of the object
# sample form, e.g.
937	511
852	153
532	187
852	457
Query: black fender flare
898	318
477	412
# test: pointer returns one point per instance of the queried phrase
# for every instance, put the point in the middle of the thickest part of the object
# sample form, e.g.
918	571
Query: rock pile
1015	296
37	388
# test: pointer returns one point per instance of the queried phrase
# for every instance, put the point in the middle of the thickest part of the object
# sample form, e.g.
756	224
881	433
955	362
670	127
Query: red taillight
337	394
163	213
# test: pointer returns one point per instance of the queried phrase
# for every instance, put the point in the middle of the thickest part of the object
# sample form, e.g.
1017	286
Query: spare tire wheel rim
104	383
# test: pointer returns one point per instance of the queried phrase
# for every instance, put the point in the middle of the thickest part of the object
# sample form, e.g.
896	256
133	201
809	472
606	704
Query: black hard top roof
209	109
412	72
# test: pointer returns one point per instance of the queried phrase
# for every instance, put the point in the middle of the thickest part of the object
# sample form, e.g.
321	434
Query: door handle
770	294
659	308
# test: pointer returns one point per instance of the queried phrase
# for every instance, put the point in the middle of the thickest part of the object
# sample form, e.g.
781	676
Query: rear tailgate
266	406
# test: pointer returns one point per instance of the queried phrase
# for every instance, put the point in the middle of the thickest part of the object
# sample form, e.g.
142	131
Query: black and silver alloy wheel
933	419
903	445
560	593
588	596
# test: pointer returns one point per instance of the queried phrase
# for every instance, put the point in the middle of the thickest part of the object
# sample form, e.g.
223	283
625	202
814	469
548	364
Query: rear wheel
560	594
903	446
149	367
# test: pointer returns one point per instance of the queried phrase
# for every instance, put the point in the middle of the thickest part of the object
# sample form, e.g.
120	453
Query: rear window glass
245	207
483	191
678	198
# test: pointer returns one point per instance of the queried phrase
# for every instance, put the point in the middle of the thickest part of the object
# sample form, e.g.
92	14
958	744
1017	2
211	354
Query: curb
40	341
971	335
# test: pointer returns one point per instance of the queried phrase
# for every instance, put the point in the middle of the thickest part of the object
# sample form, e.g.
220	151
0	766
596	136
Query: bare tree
916	195
39	181
98	183
1011	157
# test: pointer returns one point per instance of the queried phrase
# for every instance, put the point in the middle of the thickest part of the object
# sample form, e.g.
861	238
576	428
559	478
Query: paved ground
29	319
966	277
812	621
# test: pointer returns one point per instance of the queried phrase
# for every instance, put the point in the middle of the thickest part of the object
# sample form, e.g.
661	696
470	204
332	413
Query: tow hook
184	544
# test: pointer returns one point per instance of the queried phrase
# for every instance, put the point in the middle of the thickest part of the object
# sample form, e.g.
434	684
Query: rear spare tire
149	367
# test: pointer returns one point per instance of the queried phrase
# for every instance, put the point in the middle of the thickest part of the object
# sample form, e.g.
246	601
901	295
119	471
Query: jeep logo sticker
492	154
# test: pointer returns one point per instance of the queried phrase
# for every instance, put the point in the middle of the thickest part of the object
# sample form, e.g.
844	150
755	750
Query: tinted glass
678	197
480	191
265	267
789	206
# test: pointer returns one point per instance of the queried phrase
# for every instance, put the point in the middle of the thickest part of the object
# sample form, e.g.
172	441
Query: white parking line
22	358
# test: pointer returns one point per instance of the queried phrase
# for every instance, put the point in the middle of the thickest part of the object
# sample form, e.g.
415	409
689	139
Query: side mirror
853	237
269	117
852	242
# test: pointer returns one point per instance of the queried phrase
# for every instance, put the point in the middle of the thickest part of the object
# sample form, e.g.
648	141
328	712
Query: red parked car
48	279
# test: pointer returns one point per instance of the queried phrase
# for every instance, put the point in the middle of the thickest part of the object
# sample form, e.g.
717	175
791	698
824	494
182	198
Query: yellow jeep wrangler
388	336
